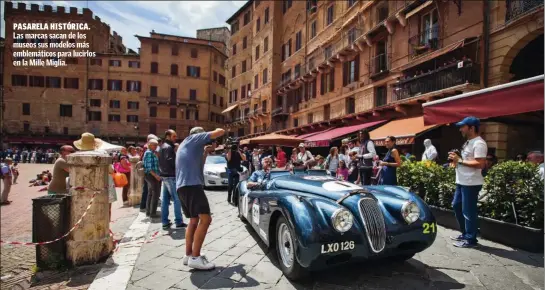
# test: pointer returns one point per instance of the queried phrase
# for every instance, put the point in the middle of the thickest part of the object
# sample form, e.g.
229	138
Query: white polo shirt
473	149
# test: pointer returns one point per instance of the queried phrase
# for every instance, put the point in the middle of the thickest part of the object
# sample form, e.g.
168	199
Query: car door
254	204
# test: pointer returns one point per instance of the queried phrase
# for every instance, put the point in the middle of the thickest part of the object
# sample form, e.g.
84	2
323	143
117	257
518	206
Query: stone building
339	63
173	82
220	34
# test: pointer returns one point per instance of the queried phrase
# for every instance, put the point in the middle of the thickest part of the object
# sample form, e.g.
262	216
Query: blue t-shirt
189	160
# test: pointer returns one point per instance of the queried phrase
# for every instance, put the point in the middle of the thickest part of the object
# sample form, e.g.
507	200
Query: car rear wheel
285	248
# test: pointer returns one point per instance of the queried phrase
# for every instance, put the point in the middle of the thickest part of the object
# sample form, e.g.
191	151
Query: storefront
511	115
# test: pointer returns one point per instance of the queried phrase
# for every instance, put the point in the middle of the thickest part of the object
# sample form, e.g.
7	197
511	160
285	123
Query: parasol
274	139
108	147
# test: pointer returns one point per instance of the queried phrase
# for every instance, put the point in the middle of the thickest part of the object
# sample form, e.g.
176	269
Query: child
342	171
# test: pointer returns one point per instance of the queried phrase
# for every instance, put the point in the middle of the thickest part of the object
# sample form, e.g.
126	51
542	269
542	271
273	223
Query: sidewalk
243	262
18	262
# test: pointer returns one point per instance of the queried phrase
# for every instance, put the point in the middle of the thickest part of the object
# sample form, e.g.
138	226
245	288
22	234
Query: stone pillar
136	182
90	241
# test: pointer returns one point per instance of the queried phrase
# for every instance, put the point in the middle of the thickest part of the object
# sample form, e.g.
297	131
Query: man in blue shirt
189	186
258	177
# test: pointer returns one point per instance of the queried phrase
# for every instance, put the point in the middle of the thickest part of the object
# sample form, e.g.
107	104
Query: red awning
508	99
323	139
304	136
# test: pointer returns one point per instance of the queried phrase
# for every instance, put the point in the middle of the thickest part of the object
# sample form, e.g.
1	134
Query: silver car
215	172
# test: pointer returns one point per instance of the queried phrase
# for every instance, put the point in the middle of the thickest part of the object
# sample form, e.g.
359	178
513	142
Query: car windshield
215	159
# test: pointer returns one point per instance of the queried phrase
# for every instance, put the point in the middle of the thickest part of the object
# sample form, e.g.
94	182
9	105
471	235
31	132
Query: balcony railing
518	8
379	64
440	79
280	110
426	40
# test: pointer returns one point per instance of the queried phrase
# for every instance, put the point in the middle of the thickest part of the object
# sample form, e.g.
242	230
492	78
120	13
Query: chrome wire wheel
286	245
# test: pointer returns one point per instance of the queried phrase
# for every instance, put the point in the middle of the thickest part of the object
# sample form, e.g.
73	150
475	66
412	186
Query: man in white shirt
469	181
366	153
304	155
430	153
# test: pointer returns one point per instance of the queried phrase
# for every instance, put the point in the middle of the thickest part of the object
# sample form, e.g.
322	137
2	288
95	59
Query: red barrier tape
63	236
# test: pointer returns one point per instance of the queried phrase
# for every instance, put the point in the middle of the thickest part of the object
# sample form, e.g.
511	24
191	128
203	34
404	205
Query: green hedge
506	184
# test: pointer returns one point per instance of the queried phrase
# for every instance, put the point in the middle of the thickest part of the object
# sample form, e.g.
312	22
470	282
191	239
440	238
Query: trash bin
50	220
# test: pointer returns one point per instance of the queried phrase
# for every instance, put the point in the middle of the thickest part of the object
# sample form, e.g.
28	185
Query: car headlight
410	212
211	173
342	220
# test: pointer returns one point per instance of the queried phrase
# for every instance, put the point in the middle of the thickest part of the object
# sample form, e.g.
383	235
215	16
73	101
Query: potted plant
511	212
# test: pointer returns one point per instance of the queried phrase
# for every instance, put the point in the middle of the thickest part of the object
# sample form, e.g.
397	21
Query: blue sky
128	18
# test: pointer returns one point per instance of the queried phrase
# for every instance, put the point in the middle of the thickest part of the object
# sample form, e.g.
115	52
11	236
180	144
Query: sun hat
88	142
302	145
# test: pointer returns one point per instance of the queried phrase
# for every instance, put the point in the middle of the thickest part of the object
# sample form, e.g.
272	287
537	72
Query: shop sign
399	141
322	143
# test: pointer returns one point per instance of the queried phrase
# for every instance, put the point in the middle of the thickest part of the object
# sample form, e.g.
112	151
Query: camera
454	151
232	143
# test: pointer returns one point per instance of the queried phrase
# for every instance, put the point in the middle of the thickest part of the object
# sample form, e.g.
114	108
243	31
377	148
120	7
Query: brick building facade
173	82
338	63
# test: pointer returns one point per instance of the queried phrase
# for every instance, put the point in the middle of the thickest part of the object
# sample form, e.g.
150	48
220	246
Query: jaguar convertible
314	221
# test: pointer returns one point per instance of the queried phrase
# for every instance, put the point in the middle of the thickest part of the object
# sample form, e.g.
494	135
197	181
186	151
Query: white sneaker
200	263
185	260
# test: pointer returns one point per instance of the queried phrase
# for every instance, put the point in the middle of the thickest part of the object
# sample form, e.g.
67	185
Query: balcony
321	58
427	40
440	79
379	65
280	111
519	8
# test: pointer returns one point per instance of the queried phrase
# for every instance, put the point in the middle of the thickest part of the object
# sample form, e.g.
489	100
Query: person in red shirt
281	158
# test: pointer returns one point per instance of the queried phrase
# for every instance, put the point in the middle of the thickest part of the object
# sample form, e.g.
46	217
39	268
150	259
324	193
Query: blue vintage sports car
314	221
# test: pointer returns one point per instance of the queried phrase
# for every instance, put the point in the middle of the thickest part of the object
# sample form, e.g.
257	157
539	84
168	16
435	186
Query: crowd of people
25	155
174	172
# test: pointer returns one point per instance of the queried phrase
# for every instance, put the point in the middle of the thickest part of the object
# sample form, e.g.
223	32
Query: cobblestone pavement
17	264
243	262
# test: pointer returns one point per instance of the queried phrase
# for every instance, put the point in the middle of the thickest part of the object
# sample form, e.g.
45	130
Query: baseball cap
469	121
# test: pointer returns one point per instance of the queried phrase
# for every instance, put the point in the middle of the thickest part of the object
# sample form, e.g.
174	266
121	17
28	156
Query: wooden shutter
357	68
332	83
346	73
322	84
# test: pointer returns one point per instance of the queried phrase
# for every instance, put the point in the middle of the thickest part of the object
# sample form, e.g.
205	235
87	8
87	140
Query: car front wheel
285	248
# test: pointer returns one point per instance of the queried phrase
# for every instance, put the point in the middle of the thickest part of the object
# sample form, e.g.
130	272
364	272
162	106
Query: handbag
120	179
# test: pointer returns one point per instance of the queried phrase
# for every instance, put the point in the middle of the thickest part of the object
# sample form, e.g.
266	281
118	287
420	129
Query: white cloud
141	17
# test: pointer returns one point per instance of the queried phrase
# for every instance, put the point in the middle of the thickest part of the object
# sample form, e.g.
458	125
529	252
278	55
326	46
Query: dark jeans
233	179
465	209
154	189
144	196
365	175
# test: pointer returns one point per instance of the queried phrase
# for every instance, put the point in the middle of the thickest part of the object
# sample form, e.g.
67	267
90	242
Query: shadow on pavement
519	256
75	277
197	278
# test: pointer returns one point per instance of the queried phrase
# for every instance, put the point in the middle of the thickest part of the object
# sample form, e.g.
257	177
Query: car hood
215	167
321	185
329	187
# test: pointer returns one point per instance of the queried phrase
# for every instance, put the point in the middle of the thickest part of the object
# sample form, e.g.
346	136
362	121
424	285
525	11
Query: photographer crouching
234	158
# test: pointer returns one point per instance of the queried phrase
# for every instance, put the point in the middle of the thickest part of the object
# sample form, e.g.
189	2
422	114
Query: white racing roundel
339	186
317	178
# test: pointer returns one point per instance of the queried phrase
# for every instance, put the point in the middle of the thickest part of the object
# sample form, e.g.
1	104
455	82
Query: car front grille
223	175
373	221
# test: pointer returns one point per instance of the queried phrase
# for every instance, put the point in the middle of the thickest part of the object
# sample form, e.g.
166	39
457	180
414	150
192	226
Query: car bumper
397	244
214	181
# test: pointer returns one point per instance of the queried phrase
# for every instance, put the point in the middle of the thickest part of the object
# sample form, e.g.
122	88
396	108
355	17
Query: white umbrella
108	147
